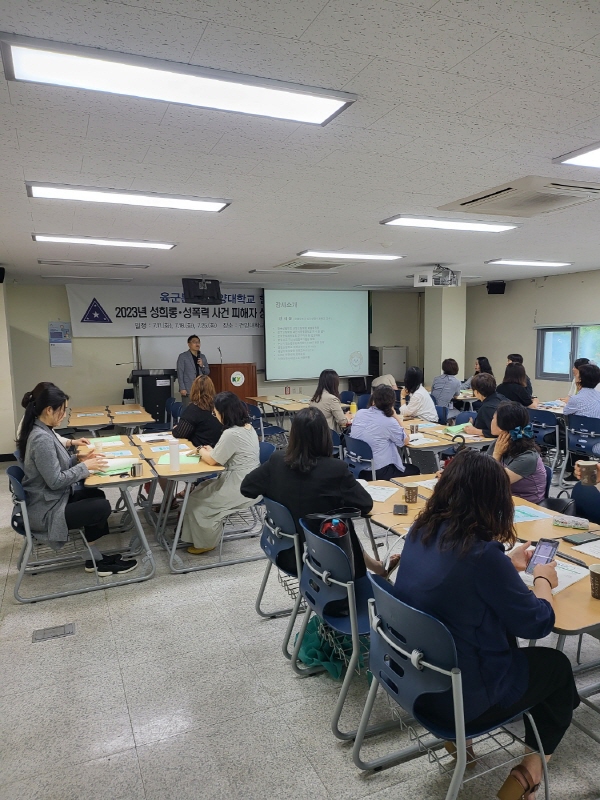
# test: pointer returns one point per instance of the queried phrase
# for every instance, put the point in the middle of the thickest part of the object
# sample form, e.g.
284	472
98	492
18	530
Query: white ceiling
455	96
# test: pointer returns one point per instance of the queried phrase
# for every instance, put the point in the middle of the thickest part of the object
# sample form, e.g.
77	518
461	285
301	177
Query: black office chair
564	505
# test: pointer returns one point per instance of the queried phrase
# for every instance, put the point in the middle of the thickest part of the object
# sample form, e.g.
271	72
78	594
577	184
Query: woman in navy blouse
454	566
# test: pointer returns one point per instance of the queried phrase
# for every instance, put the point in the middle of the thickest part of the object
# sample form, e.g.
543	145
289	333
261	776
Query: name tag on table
118	454
117	413
95	414
164	447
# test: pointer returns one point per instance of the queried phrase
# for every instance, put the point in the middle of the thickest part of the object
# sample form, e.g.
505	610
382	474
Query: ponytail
35	393
50	396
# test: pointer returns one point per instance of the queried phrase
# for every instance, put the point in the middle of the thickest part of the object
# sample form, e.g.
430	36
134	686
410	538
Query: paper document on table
590	549
162	448
430	484
568	574
164	459
92	414
526	514
416	438
427	425
135	411
105	441
118	454
380	493
156	437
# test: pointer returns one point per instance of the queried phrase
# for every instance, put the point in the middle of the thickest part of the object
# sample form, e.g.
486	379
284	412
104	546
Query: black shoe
119	567
569	479
105	568
112	558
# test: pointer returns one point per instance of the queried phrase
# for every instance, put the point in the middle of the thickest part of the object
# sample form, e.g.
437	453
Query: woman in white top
420	404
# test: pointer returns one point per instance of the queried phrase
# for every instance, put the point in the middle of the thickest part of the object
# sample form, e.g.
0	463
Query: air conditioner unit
527	197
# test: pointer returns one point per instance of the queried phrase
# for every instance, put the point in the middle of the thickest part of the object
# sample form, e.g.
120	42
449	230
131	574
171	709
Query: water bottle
353	408
174	456
334	528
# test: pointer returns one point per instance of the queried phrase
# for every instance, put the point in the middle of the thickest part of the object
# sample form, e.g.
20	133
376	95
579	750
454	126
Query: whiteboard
160	352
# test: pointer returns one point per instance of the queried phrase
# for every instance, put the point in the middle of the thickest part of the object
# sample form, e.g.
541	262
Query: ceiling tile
529	65
398	32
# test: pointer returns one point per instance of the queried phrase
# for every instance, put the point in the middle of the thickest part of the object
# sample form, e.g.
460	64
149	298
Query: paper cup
595	580
411	494
589	472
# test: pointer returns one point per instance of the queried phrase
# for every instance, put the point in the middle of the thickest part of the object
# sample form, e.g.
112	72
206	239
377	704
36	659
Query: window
556	348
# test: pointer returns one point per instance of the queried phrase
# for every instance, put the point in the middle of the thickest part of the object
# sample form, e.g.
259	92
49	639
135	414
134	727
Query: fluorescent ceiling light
353	256
88	194
83	278
93	264
295	271
447	224
39	61
509	262
585	157
46	237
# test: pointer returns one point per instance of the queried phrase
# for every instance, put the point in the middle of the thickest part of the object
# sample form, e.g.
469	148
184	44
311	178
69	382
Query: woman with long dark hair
381	428
454	567
306	479
33	395
237	450
481	365
327	399
514	386
415	400
518	453
54	503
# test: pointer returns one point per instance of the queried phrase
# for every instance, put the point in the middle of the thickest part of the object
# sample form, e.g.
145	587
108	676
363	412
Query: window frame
540	346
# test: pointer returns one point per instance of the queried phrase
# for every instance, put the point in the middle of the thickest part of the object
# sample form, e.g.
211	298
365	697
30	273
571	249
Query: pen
571	558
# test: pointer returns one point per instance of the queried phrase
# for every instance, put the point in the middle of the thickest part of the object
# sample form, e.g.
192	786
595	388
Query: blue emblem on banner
95	313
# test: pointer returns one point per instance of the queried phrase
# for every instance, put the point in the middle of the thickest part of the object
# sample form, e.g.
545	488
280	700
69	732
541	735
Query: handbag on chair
336	526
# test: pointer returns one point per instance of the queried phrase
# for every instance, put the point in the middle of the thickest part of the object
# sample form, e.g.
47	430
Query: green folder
165	459
454	429
105	439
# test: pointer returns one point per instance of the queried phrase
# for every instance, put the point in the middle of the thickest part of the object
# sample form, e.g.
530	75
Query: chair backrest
587	502
18	458
278	531
464	417
15	478
359	456
442	413
415	632
337	443
176	410
265	451
543	422
324	556
253	411
169	408
583	433
548	480
347	396
363	401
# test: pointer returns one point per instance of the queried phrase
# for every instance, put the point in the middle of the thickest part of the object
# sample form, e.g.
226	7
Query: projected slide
307	332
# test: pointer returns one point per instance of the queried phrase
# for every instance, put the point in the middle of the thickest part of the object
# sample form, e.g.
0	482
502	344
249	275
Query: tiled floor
174	688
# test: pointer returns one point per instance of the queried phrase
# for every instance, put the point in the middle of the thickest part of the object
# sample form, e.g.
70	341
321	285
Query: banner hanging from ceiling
112	310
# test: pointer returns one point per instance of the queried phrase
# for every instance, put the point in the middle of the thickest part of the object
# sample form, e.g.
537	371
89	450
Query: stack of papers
590	549
380	493
430	484
417	438
526	514
567	575
157	437
119	465
118	454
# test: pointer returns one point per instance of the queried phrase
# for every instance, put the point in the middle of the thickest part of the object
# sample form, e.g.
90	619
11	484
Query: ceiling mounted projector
436	276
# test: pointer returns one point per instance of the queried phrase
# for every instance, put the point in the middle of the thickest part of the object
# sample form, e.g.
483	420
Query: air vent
312	265
527	197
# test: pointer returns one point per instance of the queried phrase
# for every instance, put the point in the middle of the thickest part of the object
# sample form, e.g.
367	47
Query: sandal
471	757
519	785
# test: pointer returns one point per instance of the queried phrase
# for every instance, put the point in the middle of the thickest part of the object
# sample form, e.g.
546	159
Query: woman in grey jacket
54	502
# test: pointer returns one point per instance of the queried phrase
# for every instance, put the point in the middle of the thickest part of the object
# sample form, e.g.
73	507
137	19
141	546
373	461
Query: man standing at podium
189	365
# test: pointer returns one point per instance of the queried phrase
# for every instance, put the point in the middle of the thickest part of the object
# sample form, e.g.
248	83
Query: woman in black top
514	386
197	423
306	479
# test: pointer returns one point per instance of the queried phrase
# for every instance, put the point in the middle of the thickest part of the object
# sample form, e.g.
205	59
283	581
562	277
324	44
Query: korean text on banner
106	310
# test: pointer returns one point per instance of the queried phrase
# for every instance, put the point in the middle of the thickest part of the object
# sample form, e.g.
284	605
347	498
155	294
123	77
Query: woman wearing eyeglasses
518	453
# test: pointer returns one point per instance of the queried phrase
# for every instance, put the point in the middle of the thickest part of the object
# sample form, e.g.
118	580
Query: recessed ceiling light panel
91	264
511	262
51	237
408	221
89	194
350	256
57	64
585	157
83	278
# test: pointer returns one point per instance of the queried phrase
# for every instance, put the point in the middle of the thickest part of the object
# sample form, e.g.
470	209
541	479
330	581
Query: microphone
220	353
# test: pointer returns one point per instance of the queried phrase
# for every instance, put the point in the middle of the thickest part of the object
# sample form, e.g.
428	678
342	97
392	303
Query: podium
152	389
237	378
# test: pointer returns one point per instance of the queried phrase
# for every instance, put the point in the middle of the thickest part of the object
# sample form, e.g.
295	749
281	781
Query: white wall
445	328
7	428
93	378
397	320
502	324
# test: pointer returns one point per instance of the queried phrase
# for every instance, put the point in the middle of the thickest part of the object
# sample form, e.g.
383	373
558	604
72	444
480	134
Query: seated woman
420	404
514	386
327	399
381	428
237	450
54	502
198	423
484	389
518	453
481	365
33	395
454	567
306	479
446	386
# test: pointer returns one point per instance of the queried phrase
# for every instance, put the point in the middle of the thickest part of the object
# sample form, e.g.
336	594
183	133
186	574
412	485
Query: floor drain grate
53	633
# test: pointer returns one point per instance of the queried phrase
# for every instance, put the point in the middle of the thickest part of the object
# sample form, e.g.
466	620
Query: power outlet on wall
297	390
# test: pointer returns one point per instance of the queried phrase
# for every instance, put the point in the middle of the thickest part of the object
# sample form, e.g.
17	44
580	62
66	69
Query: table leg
145	547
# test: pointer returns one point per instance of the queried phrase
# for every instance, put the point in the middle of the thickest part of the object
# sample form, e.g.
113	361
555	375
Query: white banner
111	310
